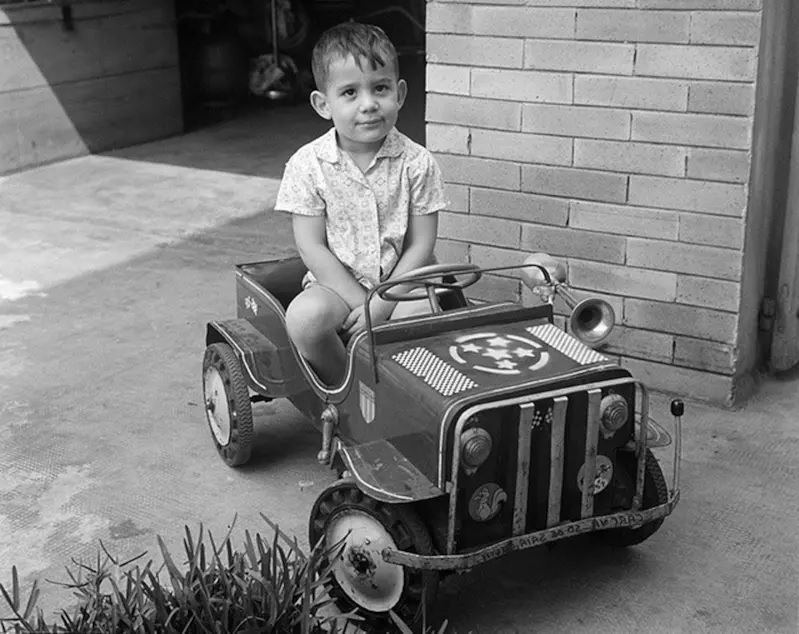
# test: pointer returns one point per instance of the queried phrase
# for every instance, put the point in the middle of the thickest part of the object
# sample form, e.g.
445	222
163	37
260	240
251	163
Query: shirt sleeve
298	192
427	186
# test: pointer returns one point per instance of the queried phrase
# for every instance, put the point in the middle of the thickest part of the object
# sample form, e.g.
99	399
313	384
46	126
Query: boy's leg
412	309
312	320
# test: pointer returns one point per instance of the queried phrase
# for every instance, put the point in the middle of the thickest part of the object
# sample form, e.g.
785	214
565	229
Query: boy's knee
309	319
301	320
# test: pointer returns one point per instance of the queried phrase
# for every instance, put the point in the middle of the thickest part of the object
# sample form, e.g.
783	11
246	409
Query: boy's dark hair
362	41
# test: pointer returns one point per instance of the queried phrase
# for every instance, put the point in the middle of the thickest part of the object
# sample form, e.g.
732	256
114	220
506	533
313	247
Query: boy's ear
319	103
402	92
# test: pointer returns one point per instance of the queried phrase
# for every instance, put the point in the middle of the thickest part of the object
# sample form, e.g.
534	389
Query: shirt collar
328	150
393	146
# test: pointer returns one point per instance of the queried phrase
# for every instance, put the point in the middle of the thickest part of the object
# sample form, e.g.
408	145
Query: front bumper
624	519
521	540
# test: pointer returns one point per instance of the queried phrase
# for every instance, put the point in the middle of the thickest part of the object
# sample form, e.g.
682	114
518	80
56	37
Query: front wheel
656	492
355	529
228	410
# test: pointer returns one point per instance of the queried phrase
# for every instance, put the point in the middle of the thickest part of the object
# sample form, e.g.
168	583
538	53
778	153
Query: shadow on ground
256	142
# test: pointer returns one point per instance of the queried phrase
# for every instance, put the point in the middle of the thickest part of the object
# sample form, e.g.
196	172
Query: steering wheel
421	278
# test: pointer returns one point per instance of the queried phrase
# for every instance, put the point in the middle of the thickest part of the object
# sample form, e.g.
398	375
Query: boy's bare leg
312	320
411	309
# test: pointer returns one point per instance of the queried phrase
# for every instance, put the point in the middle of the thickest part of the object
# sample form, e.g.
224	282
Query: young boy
364	197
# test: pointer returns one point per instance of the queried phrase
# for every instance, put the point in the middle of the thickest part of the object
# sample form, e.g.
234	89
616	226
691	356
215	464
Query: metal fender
271	370
384	473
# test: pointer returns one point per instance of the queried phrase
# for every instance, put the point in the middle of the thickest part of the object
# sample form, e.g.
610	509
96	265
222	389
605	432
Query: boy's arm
419	243
417	251
420	240
427	199
310	236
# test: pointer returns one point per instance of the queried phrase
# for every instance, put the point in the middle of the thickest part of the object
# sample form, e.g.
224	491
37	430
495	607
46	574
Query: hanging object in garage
275	75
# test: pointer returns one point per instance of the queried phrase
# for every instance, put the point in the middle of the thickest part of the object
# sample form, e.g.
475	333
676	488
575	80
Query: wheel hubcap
216	406
360	570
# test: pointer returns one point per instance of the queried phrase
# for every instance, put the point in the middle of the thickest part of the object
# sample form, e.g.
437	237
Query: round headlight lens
476	446
613	412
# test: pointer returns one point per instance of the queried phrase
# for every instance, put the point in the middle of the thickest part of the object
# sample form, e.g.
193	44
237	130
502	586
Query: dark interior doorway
229	59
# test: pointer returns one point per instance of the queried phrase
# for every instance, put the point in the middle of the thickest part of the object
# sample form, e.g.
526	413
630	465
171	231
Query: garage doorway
228	56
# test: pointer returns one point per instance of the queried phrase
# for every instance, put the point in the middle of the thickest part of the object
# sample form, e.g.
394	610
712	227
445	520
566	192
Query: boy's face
363	103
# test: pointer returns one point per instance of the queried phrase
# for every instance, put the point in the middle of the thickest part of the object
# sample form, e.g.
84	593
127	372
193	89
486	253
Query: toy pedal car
460	436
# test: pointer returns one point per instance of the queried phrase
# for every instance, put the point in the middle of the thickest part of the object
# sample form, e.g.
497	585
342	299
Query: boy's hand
380	311
354	322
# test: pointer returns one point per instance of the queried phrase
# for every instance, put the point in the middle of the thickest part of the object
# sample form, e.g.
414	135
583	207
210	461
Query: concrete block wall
107	79
616	134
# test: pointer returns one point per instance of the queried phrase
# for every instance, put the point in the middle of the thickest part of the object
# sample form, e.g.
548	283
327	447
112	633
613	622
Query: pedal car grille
544	452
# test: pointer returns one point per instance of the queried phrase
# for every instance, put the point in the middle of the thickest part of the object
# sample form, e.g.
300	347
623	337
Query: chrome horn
591	320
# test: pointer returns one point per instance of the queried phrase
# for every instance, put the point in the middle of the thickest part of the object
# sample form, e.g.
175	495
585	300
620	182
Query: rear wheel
656	492
362	527
228	410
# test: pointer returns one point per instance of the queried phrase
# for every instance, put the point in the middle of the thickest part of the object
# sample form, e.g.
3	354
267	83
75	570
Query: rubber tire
239	447
656	492
410	535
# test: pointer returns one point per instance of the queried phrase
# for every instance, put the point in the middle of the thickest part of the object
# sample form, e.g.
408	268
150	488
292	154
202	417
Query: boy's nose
368	102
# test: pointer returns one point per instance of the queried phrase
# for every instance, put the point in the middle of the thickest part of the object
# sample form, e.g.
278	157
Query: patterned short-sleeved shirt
366	213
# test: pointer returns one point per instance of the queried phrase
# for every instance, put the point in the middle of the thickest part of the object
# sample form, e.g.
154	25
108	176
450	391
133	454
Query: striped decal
438	374
523	469
563	342
591	446
557	452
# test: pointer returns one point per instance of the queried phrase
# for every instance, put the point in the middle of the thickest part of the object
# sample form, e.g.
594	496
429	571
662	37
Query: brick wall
615	134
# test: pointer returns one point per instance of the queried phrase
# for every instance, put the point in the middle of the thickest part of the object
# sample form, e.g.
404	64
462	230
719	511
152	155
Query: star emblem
498	341
499	354
496	353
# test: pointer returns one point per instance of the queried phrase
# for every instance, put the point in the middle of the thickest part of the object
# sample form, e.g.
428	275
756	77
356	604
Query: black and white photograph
413	317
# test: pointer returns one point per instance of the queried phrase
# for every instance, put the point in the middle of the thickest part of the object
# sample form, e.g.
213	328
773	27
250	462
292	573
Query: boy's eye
382	87
349	92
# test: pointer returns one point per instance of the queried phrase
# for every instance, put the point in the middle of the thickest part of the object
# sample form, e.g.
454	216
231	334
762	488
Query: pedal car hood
471	364
425	382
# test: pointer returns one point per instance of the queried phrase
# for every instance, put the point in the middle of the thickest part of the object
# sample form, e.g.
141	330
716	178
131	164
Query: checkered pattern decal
438	374
556	338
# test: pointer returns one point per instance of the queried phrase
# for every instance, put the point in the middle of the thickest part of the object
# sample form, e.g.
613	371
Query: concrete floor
110	267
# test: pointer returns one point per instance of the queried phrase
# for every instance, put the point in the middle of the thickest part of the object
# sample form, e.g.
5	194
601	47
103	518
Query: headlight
476	446
613	413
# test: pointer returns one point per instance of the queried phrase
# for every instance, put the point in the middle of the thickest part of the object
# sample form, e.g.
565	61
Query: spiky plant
269	586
